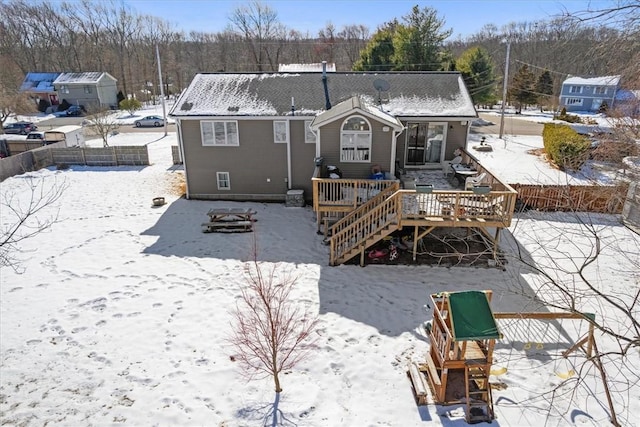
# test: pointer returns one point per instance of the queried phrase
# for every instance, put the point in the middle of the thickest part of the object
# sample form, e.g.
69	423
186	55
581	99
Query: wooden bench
419	385
227	226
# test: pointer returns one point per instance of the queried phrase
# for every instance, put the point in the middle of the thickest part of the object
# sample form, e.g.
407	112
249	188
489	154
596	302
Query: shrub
120	97
603	108
43	104
570	118
131	105
564	146
64	105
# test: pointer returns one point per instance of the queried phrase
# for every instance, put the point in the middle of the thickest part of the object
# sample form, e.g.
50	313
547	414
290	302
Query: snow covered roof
410	94
301	68
593	81
39	82
81	78
355	104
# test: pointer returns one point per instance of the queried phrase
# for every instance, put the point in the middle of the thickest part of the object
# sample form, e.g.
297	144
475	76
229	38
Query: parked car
38	135
76	110
149	121
21	128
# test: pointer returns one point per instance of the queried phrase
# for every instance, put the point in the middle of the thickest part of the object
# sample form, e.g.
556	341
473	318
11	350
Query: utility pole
504	89
164	110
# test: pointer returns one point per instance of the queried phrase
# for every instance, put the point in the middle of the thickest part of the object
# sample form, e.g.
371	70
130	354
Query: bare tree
262	31
102	123
271	333
571	277
22	220
12	101
354	39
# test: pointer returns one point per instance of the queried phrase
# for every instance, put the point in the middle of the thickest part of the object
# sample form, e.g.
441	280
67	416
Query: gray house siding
107	92
76	95
456	138
302	158
257	167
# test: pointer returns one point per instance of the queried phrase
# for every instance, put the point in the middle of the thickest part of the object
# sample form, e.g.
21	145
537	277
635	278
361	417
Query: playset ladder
478	393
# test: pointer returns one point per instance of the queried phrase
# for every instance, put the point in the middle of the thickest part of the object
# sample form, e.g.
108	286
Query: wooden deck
356	213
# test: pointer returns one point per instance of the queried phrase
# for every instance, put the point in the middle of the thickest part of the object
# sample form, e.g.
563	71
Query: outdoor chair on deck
473	180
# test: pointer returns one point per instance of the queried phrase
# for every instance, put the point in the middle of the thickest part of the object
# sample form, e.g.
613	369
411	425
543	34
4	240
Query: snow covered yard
121	315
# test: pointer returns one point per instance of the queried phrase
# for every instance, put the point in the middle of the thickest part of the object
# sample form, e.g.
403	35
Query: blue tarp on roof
39	82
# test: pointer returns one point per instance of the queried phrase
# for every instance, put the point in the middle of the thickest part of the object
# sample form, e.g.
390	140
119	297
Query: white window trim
600	90
308	132
213	123
64	89
278	138
573	101
576	91
368	133
88	89
222	177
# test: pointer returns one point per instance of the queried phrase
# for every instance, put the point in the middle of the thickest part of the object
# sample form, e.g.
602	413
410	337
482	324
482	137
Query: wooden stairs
365	226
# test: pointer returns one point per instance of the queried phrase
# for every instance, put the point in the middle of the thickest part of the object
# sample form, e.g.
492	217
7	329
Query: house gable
355	105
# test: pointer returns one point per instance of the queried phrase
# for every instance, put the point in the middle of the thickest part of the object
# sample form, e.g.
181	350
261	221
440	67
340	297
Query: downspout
184	162
394	143
289	155
327	104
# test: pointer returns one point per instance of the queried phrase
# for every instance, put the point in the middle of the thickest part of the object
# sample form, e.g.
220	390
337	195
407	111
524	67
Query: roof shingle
432	94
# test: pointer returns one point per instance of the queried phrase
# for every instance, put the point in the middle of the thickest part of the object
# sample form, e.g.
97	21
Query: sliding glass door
424	143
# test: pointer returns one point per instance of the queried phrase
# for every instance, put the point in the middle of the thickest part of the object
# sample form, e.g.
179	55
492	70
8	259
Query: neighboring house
314	67
628	102
256	136
88	89
40	87
589	93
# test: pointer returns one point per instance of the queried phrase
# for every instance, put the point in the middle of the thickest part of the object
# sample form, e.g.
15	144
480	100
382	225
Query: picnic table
229	220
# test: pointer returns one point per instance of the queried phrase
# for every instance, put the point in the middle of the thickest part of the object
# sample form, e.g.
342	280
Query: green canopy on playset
471	316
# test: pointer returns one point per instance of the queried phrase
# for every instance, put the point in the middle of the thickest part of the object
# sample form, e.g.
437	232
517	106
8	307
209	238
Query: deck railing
379	221
365	211
347	193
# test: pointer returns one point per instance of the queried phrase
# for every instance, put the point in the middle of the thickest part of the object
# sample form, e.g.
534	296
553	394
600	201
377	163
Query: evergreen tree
417	44
523	88
544	89
378	54
477	70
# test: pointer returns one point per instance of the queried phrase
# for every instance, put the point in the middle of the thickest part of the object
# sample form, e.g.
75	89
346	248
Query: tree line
88	35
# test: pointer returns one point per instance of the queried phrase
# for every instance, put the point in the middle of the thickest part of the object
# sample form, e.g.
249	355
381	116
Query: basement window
224	181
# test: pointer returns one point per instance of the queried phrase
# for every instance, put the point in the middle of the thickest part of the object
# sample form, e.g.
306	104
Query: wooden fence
51	155
579	198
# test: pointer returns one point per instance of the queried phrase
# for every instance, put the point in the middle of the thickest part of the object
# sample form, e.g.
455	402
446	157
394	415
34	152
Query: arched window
355	140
